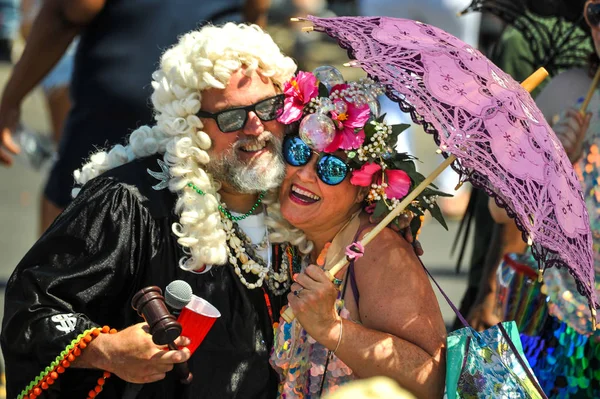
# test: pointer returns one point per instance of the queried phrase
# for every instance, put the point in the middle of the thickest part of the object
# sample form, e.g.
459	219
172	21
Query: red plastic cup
197	318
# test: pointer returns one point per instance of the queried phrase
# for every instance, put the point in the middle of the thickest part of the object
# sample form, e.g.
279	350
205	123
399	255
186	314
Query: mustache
264	137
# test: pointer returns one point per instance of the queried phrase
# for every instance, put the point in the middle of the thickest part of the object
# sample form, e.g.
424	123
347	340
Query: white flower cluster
312	106
430	201
378	145
360	92
377	193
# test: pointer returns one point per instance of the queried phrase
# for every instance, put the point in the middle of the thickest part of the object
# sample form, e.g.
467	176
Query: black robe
114	239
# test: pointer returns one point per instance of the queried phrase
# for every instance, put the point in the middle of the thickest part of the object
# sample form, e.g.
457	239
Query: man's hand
132	356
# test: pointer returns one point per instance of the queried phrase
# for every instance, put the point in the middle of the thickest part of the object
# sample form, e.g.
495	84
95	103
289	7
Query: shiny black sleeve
77	276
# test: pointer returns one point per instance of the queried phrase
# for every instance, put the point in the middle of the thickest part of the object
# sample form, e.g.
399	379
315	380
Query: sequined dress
565	355
300	362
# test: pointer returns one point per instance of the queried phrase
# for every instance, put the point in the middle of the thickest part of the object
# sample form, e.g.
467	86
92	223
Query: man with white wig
186	199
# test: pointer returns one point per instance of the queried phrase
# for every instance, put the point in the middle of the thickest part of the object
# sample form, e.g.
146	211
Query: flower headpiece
338	115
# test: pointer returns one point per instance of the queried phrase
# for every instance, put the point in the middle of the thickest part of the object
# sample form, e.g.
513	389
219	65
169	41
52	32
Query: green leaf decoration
323	92
415	176
429	191
436	212
396	130
415	223
399	128
405	165
354	163
380	209
369	131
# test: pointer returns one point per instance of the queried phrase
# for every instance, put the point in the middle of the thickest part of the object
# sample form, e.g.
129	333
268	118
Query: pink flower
298	91
348	117
398	182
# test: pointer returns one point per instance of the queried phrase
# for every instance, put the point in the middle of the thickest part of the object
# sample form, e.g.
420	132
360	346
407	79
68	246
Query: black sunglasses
592	13
232	119
330	169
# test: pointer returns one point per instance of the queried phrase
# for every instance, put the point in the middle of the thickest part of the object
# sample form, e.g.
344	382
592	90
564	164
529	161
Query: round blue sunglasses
330	169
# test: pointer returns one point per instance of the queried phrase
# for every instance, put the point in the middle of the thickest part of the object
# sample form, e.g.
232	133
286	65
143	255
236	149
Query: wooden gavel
164	328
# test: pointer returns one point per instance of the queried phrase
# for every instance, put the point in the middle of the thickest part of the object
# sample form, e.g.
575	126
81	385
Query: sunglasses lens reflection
592	14
296	152
332	170
232	120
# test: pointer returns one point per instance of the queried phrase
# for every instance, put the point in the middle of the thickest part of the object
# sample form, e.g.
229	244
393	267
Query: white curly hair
201	60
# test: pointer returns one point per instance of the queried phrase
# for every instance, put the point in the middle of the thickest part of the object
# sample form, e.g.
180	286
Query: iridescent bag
488	364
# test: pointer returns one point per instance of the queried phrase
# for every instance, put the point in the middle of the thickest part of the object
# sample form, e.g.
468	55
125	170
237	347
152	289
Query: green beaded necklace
226	212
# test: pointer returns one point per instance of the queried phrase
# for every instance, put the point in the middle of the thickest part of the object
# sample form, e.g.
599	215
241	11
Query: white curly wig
201	60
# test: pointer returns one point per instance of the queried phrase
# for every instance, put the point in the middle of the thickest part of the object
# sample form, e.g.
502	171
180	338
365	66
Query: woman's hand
571	132
312	298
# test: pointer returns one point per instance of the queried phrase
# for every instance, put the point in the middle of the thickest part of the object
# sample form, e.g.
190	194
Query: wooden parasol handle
534	79
590	92
583	110
529	84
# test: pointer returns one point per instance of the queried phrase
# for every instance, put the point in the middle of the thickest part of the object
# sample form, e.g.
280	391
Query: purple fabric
488	121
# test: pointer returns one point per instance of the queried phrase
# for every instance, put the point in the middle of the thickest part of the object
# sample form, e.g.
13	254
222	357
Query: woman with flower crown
379	316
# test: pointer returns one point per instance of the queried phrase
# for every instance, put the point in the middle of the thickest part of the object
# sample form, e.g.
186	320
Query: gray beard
263	174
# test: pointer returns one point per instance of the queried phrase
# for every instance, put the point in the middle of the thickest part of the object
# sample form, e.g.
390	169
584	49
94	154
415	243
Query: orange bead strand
70	357
323	255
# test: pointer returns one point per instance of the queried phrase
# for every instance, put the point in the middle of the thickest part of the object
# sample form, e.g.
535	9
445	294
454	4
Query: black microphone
178	294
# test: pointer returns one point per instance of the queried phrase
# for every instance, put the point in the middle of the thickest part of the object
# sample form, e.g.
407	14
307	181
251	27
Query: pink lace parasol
479	114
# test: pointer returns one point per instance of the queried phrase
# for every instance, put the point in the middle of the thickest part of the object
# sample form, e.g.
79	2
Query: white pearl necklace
237	252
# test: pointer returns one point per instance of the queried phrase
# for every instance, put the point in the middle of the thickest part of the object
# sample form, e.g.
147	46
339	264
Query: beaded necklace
240	248
262	245
251	262
63	361
229	216
224	209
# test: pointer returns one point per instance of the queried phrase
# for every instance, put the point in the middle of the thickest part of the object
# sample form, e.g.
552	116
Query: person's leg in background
9	25
56	89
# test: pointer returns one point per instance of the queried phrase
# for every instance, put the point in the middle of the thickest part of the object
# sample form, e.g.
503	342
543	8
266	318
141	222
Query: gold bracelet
340	337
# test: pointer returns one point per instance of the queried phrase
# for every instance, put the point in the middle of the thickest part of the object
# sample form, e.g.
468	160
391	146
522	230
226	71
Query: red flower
398	182
298	92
